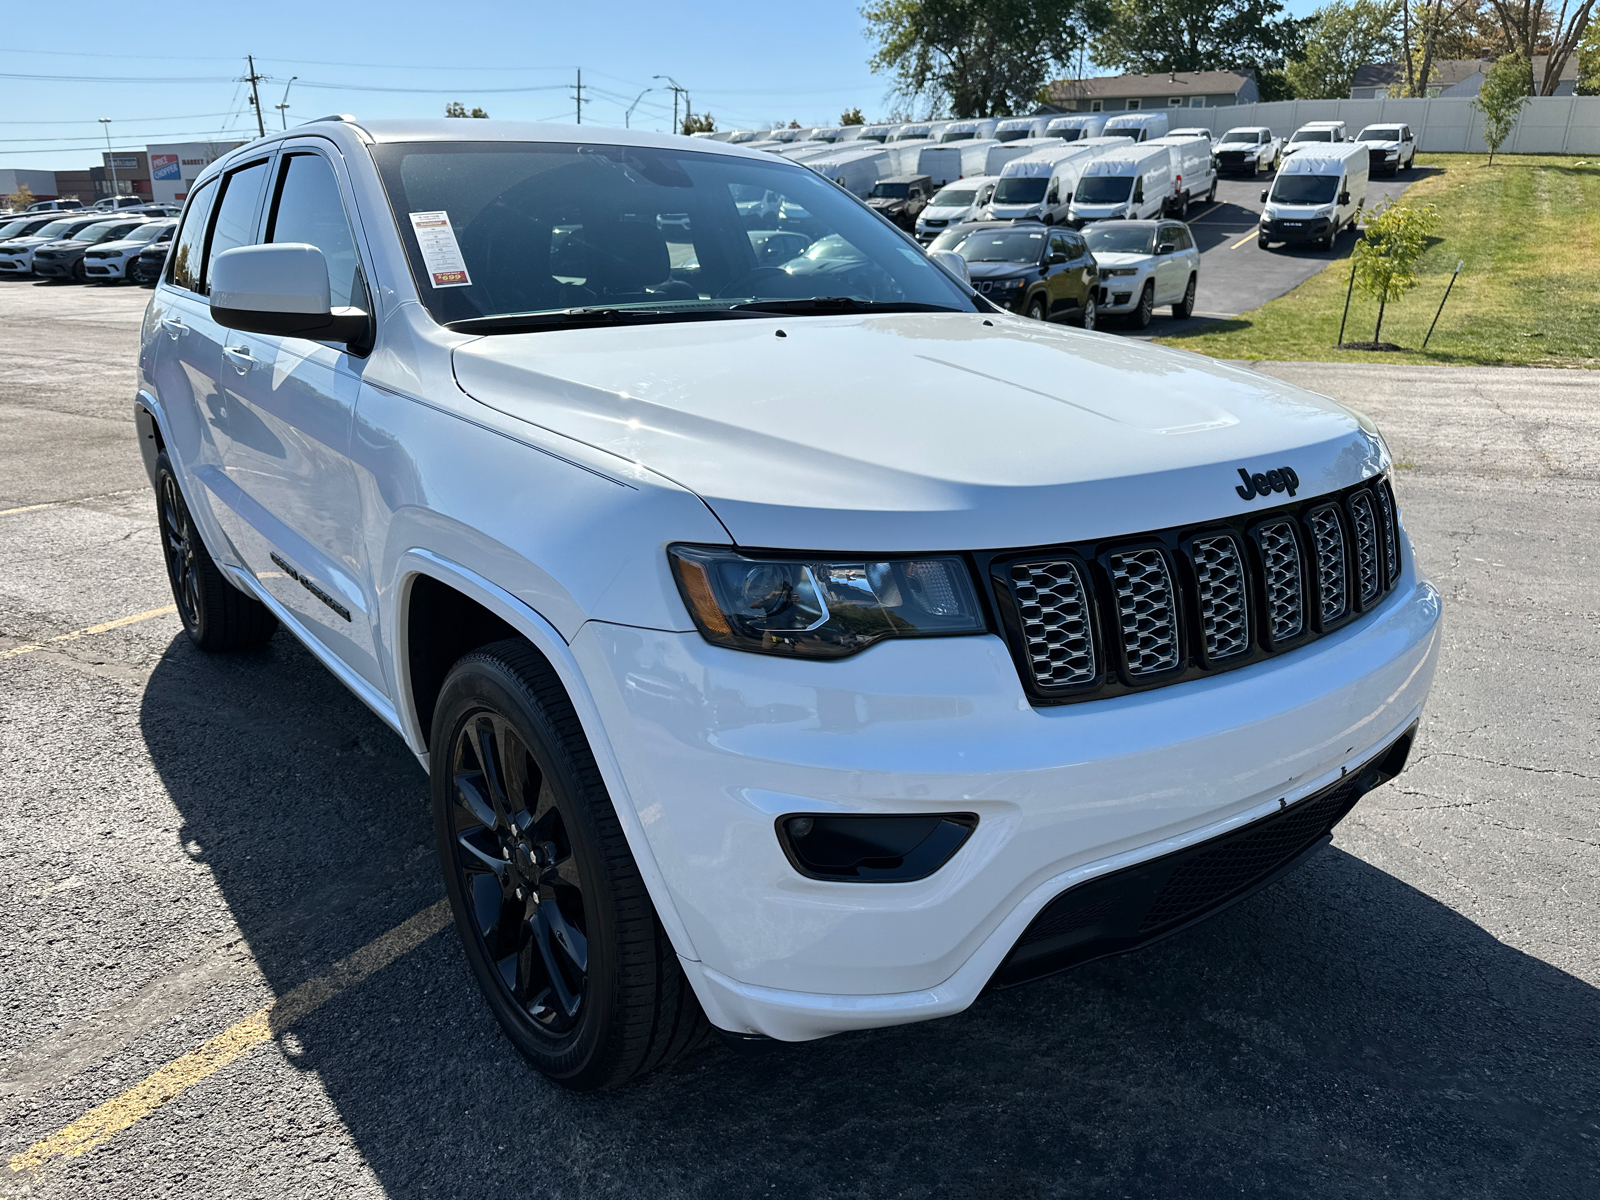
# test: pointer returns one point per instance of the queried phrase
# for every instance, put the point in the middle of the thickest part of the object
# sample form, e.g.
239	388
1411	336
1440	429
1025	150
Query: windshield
1114	237
510	229
1313	135
1067	135
55	229
1305	189
1012	135
1104	189
959	137
1230	139
954	197
12	229
1021	189
889	191
1002	246
1127	131
1379	133
94	233
146	233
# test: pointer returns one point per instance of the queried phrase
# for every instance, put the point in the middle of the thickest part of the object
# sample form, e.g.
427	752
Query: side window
235	224
183	269
1058	245
309	209
1184	240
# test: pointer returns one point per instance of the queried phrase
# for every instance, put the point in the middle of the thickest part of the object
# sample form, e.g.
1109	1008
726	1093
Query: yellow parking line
30	647
1247	238
27	508
143	1098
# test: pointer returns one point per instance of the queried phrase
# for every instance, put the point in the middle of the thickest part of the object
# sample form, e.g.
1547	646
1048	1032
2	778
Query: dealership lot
187	838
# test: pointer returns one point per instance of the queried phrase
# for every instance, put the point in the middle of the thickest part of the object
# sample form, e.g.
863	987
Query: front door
291	405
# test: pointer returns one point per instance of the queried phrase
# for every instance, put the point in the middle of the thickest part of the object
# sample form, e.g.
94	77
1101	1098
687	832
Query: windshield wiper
585	318
838	304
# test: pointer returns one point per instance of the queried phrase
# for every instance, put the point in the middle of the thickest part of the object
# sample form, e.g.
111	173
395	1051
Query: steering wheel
743	285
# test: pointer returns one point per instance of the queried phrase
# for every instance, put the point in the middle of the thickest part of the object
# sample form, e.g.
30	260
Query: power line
471	89
123	120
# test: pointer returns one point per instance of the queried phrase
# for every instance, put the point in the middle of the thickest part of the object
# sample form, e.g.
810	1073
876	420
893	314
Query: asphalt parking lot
188	839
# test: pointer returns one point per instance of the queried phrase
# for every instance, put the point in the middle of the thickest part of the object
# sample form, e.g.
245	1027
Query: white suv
799	650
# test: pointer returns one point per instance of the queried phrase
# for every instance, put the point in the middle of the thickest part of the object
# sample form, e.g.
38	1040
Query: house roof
1162	83
1445	72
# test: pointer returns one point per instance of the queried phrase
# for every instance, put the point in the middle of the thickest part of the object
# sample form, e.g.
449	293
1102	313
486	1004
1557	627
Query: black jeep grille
1102	618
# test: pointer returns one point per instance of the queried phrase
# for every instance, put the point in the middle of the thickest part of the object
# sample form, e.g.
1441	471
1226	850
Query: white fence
1548	124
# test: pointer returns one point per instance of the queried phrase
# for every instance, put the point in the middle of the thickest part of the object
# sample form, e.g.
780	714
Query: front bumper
1296	231
104	268
1120	293
715	745
54	268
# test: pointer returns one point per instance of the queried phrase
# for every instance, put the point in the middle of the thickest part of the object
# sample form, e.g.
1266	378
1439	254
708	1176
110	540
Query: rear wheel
1146	311
1089	314
555	920
216	615
1184	309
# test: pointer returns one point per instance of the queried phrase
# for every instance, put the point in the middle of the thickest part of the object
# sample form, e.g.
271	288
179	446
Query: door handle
174	327
239	356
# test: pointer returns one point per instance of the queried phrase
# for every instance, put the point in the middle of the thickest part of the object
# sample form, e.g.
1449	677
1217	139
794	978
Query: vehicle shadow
1222	222
1339	1034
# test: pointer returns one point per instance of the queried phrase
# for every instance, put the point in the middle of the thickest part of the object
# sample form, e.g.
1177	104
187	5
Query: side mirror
1058	257
953	263
1263	195
1344	197
1167	248
280	290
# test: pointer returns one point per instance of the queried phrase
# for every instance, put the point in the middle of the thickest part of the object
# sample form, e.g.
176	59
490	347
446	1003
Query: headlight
1119	270
808	608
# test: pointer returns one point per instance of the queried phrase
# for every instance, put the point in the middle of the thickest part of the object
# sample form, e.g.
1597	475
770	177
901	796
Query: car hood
1380	143
921	431
946	214
999	270
1120	258
118	245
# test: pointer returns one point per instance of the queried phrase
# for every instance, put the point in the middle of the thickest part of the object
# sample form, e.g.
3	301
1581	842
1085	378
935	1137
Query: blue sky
168	72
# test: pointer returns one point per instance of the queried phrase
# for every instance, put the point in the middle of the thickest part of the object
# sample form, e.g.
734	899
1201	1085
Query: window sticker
440	253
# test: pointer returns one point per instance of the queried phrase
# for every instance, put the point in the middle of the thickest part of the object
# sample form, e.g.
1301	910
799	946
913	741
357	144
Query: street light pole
627	117
111	160
283	108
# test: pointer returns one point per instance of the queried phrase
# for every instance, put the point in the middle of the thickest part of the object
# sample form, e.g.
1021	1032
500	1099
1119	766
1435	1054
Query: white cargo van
956	160
1075	128
1194	176
1318	192
1132	183
1040	186
969	131
1140	126
854	166
953	204
1016	129
1007	152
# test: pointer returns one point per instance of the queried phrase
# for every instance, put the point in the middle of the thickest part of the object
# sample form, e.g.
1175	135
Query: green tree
978	58
1589	62
1386	256
1534	27
852	116
457	109
699	123
1500	99
1149	36
1342	36
20	199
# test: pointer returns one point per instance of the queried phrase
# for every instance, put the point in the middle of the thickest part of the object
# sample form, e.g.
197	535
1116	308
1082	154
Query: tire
1263	243
216	615
1184	309
1180	210
79	275
1038	310
1211	196
1142	316
1089	315
555	920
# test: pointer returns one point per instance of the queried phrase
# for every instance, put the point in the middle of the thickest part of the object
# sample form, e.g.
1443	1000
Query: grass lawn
1528	230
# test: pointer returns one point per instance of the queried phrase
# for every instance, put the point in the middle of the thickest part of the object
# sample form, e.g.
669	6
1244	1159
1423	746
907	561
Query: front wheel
1146	311
555	920
216	615
1211	196
1037	309
1184	309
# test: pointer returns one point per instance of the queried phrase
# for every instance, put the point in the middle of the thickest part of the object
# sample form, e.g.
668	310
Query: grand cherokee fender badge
1260	484
312	588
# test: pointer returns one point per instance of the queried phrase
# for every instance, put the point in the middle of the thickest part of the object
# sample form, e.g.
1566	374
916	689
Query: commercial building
175	166
41	183
1165	89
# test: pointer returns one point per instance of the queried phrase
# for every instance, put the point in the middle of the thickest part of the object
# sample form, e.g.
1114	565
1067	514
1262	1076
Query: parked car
1192	131
26	226
1318	192
1140	126
147	267
63	260
1041	185
1143	265
1078	126
64	205
1091	639
109	261
1131	183
953	204
1248	150
901	198
1315	133
1194	173
1390	148
16	255
115	204
1028	268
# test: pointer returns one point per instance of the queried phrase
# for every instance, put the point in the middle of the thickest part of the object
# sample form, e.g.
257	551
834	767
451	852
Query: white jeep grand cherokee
803	648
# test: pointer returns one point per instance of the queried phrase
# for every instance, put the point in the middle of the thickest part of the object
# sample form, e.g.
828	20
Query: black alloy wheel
1145	313
216	615
556	923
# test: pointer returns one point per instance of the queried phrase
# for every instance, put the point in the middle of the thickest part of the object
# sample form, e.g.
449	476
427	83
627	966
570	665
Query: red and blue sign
164	166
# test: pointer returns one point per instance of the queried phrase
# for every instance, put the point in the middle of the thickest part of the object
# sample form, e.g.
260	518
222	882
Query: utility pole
111	160
673	83
283	109
579	96
255	96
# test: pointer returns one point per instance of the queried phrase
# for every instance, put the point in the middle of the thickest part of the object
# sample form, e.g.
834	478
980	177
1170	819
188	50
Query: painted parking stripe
1249	237
106	627
28	508
122	1112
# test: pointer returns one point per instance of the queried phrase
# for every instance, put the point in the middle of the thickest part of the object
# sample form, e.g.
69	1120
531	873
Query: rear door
291	404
